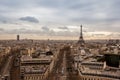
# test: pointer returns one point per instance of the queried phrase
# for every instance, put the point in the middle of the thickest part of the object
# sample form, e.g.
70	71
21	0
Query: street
5	72
64	70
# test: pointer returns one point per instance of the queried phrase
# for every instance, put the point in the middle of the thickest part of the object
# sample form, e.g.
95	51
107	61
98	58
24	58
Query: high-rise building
81	40
18	37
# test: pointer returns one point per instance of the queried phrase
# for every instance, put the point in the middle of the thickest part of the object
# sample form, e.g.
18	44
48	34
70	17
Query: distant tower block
81	40
18	37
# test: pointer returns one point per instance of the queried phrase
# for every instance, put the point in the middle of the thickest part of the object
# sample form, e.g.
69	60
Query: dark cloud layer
30	19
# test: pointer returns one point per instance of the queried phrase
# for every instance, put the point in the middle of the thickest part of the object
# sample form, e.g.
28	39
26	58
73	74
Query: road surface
6	69
64	69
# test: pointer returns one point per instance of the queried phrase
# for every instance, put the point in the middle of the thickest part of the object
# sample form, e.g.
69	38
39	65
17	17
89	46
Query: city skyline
59	19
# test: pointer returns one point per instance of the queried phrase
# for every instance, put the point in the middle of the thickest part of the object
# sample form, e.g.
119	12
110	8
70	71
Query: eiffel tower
81	40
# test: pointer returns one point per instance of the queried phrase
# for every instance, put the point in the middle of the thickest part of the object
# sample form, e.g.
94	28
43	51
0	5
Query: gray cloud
64	28
45	31
114	35
98	35
49	32
1	29
95	14
22	31
3	21
45	28
30	19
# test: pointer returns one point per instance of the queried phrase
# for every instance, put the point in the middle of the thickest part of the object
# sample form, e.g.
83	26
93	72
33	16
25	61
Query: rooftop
29	59
102	73
36	69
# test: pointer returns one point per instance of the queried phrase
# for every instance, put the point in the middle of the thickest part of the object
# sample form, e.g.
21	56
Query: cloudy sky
59	19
